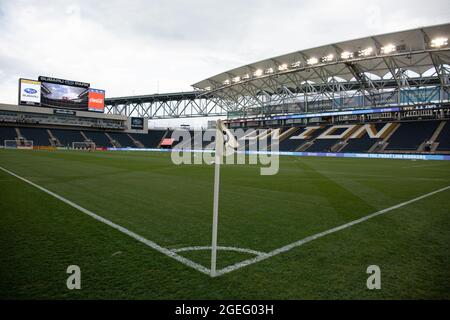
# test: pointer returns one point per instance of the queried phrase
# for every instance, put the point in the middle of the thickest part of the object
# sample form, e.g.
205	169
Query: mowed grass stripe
262	223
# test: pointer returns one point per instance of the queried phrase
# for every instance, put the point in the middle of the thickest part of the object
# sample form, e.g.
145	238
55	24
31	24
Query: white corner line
199	248
321	234
129	233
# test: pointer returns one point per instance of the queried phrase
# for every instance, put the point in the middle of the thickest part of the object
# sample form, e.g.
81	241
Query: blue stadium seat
66	137
444	138
150	140
99	138
124	140
322	145
39	136
410	135
7	133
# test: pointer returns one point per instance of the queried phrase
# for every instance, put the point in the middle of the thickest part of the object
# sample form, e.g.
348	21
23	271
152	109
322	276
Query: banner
96	100
137	123
29	92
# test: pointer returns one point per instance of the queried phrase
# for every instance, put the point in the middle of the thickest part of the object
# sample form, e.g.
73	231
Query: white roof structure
376	56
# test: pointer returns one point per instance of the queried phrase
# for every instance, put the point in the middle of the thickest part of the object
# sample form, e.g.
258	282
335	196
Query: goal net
18	144
83	145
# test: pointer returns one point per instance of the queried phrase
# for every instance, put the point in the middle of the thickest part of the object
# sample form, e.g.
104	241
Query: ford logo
30	91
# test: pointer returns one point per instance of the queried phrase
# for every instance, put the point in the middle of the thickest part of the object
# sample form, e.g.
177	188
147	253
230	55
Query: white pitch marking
133	235
198	248
321	234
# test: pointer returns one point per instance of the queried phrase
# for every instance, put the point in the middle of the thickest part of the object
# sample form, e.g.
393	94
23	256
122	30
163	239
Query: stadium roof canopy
406	67
380	55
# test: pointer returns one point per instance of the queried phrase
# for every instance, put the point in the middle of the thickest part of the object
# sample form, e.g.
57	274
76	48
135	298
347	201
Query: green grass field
40	236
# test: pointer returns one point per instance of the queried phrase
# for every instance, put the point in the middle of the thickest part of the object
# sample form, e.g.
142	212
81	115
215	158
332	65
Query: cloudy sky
139	47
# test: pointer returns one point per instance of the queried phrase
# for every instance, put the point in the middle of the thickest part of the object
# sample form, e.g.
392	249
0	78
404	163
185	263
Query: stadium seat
123	139
7	133
322	145
99	138
39	136
150	140
67	137
410	135
444	138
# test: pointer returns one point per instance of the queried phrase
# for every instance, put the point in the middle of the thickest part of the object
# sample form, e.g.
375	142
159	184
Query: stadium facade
380	94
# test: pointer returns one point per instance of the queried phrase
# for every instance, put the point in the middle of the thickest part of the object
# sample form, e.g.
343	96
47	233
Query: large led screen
63	96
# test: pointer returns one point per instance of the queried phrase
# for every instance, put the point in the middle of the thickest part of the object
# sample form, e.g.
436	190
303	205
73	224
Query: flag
231	144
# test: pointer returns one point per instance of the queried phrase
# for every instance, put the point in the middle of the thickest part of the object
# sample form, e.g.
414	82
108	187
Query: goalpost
83	145
21	144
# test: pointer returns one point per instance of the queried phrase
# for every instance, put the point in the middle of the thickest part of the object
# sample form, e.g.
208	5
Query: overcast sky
135	46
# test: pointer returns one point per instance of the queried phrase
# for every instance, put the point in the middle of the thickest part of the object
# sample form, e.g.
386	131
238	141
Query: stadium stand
322	145
362	144
7	133
150	140
444	138
410	135
67	137
39	136
99	138
123	139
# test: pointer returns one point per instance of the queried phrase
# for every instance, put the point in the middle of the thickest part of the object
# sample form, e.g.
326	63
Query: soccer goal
83	145
20	144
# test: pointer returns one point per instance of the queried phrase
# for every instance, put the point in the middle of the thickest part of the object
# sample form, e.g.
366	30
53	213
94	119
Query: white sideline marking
198	248
321	234
260	256
133	235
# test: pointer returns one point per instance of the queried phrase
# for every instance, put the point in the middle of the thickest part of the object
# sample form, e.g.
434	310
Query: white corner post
217	160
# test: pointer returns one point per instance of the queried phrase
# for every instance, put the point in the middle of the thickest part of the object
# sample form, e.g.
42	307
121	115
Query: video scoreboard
61	93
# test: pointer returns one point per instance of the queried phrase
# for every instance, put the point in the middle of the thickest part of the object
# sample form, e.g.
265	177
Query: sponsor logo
93	100
30	91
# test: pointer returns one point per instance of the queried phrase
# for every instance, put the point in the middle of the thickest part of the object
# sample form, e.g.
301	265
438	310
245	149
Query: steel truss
415	72
166	106
295	92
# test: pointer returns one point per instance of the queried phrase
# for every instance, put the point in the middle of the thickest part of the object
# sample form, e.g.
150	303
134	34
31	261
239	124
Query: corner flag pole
220	131
218	159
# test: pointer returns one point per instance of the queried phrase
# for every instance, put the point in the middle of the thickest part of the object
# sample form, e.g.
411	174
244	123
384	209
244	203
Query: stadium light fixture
282	67
328	58
296	64
208	88
388	49
268	70
312	61
439	42
365	52
246	76
236	79
226	82
346	55
258	73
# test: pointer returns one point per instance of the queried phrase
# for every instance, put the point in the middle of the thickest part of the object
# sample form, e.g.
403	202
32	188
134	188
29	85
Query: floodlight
346	55
312	61
388	49
236	79
258	73
282	67
328	58
208	88
246	76
439	42
296	64
365	52
226	82
268	70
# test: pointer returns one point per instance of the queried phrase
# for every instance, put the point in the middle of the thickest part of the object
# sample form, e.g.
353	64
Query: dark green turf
172	205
